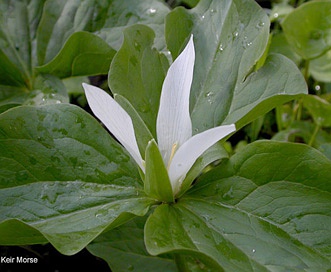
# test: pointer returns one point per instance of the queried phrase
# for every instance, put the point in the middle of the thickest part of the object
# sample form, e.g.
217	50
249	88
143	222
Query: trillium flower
179	149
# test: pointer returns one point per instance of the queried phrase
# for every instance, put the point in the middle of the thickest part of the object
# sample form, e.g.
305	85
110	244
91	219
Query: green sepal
157	182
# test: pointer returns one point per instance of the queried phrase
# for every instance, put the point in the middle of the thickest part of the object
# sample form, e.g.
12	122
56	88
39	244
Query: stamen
173	150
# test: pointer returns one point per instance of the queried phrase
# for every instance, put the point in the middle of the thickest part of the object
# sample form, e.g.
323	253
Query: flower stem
180	263
313	136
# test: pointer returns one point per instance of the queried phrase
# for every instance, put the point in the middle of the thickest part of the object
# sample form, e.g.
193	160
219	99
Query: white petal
115	118
188	153
173	120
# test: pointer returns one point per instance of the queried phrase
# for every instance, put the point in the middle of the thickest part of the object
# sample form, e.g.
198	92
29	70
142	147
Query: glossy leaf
229	38
83	54
18	25
124	250
308	28
107	19
64	176
157	183
275	218
137	73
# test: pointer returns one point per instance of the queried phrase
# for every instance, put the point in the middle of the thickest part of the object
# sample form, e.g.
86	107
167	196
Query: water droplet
260	25
101	214
210	96
212	11
235	35
229	194
202	17
253	250
221	48
151	11
275	15
179	165
317	88
246	43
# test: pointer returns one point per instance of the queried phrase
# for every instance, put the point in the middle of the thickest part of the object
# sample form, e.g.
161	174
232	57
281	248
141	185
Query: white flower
178	147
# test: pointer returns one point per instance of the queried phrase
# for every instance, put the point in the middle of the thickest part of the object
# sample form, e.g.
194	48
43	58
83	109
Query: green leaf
211	155
137	73
230	37
157	183
143	135
302	131
310	37
106	19
320	68
319	108
276	83
18	25
280	45
123	249
267	208
64	176
82	54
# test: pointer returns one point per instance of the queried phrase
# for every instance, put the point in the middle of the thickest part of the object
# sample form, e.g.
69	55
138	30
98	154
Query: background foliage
264	205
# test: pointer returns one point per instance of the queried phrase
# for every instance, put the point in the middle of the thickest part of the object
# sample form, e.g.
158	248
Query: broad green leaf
82	54
107	19
319	108
276	83
308	28
123	249
137	73
266	209
230	37
320	68
18	25
157	183
63	175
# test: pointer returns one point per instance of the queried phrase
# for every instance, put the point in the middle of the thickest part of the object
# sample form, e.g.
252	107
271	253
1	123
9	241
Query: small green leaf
302	131
123	249
319	108
18	25
157	183
143	135
83	54
308	28
137	73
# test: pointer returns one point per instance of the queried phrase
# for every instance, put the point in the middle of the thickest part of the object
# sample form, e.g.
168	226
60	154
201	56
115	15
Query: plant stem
180	263
313	136
306	70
